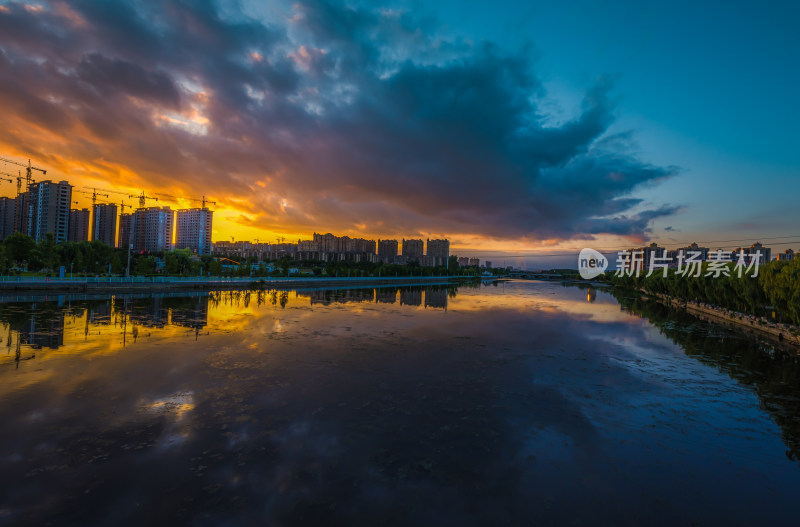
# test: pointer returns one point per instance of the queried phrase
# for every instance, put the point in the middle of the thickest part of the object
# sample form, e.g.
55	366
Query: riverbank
783	333
162	284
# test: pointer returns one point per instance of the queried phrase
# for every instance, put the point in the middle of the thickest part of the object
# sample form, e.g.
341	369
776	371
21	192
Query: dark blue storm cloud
332	118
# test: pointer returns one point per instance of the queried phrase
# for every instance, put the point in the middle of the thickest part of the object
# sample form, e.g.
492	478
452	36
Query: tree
452	264
145	265
19	248
47	257
285	263
116	263
215	268
178	261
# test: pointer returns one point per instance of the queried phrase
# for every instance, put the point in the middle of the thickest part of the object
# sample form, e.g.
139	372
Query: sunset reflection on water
485	403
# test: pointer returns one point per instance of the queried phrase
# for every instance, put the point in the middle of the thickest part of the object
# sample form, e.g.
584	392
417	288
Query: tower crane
28	169
203	200
121	204
142	197
107	191
7	179
94	195
17	212
19	180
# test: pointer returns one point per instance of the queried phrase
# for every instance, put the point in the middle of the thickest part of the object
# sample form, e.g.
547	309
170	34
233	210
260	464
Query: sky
511	128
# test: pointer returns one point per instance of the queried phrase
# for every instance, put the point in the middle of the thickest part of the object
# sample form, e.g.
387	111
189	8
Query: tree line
776	288
20	254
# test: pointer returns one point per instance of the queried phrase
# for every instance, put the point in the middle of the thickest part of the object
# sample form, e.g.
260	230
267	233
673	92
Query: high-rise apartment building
78	225
193	230
413	250
438	252
152	229
125	230
8	212
387	250
104	227
23	217
329	243
49	206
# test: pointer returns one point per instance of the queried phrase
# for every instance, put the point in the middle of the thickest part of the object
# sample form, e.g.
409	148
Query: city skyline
508	136
160	228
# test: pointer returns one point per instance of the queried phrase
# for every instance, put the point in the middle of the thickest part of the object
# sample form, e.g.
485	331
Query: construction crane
18	177
121	204
7	179
203	200
106	190
93	193
141	197
28	169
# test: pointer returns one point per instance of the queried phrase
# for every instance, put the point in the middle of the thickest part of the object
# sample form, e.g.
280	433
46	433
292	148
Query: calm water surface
520	404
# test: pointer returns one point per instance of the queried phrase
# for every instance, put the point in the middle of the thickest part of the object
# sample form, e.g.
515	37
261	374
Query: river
519	403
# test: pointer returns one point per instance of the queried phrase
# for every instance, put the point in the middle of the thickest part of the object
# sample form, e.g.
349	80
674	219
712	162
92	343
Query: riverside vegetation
774	292
21	254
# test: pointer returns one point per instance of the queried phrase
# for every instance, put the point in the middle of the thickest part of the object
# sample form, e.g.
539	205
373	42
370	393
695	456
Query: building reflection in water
44	329
386	296
411	297
41	322
436	297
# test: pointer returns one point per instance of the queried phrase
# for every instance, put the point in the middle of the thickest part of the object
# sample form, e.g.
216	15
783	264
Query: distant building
78	225
693	249
327	243
750	252
488	264
241	249
413	250
474	262
125	230
336	245
788	254
152	229
641	257
104	227
49	210
193	230
463	261
8	211
438	252
766	252
387	250
23	218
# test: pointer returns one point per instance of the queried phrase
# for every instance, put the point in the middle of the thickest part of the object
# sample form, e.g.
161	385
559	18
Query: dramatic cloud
332	118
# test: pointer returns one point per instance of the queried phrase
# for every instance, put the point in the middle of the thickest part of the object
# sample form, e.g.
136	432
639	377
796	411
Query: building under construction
193	230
